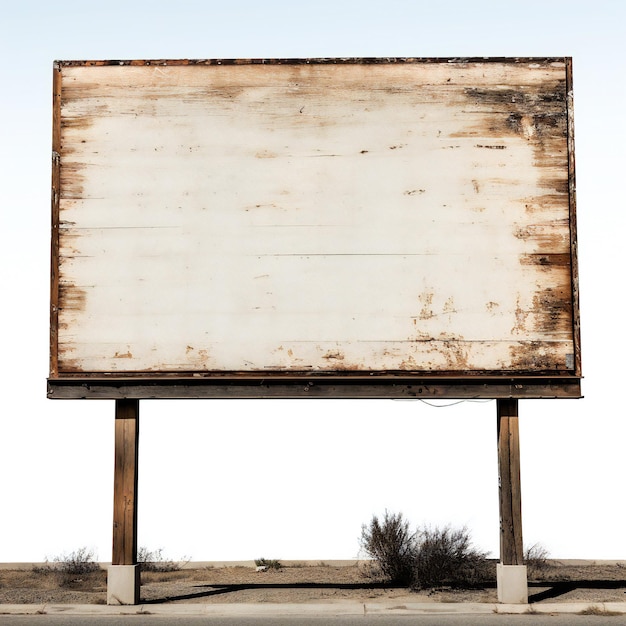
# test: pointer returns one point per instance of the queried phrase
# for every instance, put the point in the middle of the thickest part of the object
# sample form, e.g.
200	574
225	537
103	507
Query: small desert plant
536	558
391	545
154	561
594	609
446	556
268	563
81	561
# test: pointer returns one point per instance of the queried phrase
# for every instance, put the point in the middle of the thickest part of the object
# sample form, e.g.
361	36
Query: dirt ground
294	583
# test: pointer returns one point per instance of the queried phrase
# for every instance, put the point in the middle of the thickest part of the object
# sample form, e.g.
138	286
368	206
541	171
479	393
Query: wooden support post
123	582
512	582
511	544
125	482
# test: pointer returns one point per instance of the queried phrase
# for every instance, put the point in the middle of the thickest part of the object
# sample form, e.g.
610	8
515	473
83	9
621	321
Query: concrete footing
512	584
123	584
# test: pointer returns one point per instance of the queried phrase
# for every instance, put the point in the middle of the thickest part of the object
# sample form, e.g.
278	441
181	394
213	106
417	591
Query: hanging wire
453	403
442	406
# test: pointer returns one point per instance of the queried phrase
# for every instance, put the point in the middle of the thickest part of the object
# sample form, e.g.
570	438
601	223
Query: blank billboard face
407	216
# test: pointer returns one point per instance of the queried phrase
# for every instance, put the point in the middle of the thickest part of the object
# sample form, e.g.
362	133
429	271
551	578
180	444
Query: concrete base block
512	584
123	584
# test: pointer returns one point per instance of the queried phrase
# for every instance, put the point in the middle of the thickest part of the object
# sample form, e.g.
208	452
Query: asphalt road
352	620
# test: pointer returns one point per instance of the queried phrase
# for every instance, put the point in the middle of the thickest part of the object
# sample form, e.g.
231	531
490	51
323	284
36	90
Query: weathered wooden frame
342	382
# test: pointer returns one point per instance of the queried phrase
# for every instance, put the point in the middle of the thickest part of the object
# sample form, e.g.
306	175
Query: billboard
339	227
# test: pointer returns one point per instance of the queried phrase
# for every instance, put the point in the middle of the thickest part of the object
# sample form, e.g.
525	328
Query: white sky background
226	480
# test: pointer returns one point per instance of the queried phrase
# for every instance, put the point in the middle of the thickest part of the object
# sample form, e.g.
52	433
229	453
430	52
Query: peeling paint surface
292	217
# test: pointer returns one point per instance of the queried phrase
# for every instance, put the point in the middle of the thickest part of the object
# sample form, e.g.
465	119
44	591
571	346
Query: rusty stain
203	357
520	318
456	355
409	364
449	306
422	336
426	312
337	355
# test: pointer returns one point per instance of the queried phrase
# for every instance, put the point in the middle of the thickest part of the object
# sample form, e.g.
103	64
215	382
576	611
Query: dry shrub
268	563
446	557
81	561
154	561
427	558
77	570
391	545
536	559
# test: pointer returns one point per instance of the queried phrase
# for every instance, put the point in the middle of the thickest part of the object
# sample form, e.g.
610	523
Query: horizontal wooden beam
314	387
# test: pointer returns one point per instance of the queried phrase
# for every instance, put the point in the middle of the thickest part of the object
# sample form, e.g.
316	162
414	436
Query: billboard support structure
314	228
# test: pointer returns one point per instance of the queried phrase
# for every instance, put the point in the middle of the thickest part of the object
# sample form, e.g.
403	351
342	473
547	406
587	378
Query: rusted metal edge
530	388
54	241
311	61
572	216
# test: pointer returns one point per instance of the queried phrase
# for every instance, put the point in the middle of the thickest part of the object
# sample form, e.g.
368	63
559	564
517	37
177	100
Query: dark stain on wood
524	98
550	237
538	114
552	310
540	204
71	298
546	260
68	365
535	356
72	180
76	123
535	113
559	185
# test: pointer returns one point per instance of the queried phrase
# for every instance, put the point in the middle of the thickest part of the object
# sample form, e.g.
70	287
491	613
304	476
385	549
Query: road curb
310	609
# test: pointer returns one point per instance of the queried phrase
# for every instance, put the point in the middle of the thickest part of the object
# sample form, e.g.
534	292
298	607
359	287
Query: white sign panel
407	216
